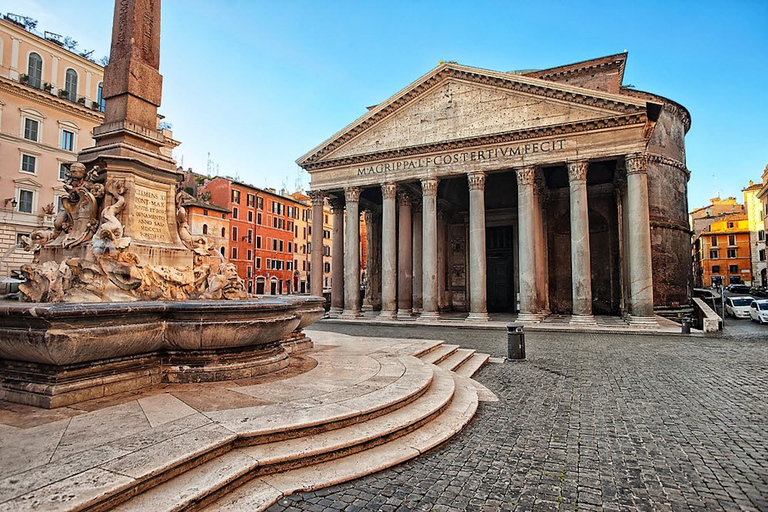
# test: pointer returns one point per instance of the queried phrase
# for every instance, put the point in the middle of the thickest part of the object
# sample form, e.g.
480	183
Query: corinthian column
527	202
581	273
405	260
316	258
639	241
388	251
352	255
478	309
337	258
429	246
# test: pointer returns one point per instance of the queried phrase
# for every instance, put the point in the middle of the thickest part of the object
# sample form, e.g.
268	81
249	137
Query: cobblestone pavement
594	422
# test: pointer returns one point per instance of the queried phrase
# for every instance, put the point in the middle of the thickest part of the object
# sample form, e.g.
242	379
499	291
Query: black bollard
515	341
686	326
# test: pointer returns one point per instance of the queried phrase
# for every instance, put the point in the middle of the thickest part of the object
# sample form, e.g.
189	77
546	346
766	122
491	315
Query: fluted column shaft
478	309
581	273
337	258
526	203
405	259
316	257
352	254
639	238
429	246
388	250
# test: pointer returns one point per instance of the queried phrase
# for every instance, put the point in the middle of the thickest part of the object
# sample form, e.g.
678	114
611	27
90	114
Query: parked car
758	311
759	292
738	307
738	288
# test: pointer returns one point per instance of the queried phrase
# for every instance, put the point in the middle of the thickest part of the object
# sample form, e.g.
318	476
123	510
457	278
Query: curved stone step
457	359
473	365
239	465
439	353
261	492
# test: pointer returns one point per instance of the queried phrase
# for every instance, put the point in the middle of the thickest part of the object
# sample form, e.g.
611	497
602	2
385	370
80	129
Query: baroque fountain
121	295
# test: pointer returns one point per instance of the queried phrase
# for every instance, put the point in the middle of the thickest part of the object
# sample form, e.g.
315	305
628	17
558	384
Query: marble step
457	359
473	365
263	491
439	353
241	464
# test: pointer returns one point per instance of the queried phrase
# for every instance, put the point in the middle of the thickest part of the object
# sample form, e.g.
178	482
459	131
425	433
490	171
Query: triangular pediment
455	102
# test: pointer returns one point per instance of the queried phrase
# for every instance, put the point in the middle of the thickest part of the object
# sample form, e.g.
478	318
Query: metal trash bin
686	326
515	341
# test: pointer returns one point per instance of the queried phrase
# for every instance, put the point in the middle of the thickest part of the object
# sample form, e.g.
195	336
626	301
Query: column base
530	318
350	314
583	320
429	316
335	312
387	314
404	314
478	317
647	322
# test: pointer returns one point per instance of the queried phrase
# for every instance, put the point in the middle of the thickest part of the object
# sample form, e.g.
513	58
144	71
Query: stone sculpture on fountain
120	294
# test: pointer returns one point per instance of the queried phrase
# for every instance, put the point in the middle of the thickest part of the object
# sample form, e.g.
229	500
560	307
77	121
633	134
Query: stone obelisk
128	144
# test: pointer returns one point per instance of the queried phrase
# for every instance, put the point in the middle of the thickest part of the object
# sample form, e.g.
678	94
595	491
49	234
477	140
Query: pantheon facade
558	191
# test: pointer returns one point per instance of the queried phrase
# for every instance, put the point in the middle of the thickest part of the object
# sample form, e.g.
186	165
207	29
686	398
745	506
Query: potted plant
81	100
47	87
24	79
95	105
63	93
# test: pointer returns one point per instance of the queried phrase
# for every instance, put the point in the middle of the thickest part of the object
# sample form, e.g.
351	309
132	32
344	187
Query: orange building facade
723	252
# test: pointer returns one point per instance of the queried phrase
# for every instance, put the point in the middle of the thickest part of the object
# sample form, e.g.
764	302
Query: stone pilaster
478	309
639	242
542	245
388	251
430	267
527	203
316	257
405	259
442	261
418	255
337	258
352	254
581	273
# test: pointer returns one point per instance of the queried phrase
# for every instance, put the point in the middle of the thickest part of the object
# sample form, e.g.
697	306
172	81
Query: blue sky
258	83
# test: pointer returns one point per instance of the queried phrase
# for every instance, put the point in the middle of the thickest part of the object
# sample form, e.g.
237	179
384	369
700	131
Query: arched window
35	70
223	232
70	84
205	229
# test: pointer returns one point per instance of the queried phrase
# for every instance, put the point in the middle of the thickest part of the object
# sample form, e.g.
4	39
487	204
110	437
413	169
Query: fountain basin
55	354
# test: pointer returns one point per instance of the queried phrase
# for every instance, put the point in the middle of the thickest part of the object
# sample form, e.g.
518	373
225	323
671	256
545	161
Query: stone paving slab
594	422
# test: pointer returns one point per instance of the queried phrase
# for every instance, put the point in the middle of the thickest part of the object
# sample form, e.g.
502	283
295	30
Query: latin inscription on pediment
457	110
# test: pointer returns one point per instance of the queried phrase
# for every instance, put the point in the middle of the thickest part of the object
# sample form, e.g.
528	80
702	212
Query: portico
511	193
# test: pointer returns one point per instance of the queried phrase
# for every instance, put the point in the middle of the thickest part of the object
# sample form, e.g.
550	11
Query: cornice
11	87
591	67
663	160
544	88
498	138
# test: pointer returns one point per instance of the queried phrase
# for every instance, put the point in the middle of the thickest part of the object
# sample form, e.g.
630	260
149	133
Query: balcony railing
62	94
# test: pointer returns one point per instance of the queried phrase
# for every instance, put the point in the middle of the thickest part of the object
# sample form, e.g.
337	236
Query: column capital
403	198
636	163
317	196
429	186
416	205
352	194
388	190
476	180
526	175
336	204
577	170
